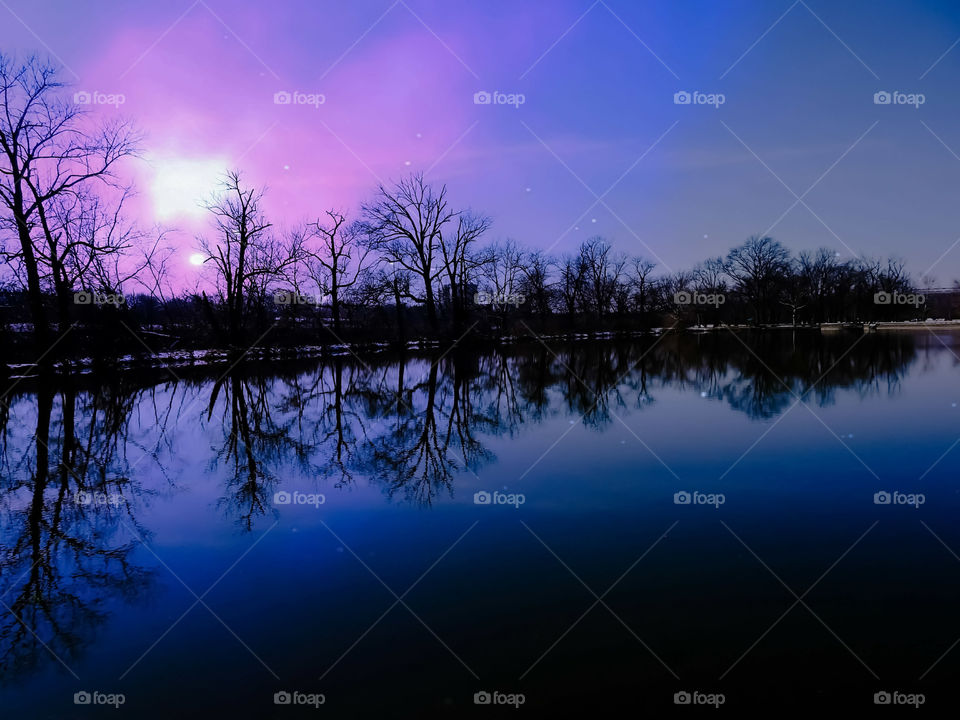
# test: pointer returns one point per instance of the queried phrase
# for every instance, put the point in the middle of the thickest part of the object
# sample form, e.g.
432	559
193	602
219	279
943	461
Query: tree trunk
335	309
431	305
457	305
401	331
38	313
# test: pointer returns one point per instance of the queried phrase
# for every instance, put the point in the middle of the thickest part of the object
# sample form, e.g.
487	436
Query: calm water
146	548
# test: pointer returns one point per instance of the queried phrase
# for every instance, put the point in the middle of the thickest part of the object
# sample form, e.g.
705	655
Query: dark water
144	548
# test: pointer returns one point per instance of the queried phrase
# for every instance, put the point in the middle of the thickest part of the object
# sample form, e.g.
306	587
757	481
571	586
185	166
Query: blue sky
677	182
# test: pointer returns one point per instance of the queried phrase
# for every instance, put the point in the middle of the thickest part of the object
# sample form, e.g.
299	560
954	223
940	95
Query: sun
181	185
197	259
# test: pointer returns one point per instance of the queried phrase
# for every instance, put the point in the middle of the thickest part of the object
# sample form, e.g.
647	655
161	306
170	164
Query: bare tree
406	222
245	256
756	268
642	284
97	248
47	155
710	275
603	269
339	260
460	262
572	284
536	282
503	274
819	275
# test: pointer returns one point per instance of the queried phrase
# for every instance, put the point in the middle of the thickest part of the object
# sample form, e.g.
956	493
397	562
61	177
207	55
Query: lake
752	519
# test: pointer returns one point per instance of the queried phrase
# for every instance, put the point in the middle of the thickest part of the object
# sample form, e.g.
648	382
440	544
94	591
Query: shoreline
218	356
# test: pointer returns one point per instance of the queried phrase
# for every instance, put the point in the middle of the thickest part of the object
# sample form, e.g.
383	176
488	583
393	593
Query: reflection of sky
399	81
598	498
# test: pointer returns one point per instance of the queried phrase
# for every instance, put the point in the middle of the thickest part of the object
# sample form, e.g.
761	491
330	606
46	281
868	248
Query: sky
587	132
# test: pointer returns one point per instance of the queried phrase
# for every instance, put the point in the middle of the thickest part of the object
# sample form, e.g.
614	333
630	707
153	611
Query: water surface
146	547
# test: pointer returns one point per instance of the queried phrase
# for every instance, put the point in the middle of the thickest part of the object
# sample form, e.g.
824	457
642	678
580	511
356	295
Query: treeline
405	264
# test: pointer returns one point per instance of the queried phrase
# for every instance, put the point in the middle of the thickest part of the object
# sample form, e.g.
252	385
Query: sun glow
180	186
197	258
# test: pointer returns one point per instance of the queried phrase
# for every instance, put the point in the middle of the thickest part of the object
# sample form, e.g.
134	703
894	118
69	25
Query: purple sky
598	81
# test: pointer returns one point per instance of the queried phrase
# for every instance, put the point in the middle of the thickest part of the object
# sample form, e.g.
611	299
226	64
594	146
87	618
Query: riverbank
214	357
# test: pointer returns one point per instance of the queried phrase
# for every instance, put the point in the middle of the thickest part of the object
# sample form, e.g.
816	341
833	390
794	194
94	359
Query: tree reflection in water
411	425
68	508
